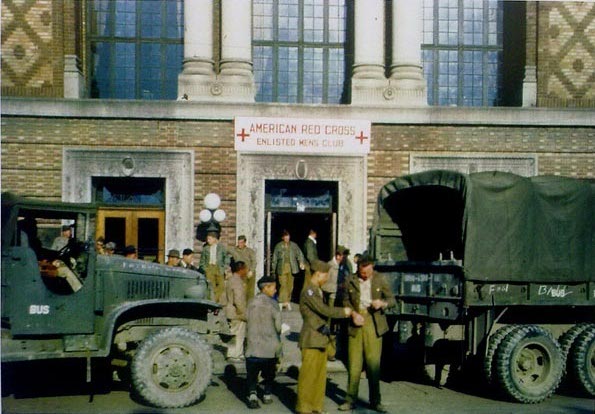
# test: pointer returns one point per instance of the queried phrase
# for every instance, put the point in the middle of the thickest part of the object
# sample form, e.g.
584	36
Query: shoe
289	306
267	399
379	408
253	401
280	306
346	406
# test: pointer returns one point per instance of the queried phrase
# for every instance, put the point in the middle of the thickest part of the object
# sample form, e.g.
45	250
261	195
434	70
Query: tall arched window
135	48
299	50
462	51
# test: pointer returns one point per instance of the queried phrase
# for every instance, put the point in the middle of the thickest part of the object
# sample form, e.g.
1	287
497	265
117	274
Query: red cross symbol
361	137
243	134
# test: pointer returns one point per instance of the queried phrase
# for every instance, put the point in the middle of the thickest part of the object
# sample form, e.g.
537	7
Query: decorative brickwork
566	54
32	50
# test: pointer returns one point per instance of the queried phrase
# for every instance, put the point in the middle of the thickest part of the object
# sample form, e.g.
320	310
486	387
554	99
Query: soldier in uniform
212	263
311	254
367	293
235	310
314	340
243	253
287	261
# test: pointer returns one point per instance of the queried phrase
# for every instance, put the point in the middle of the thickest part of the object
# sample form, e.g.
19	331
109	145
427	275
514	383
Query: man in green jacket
367	293
314	340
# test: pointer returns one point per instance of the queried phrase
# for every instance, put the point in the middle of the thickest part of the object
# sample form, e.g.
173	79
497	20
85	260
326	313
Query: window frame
93	39
460	48
302	45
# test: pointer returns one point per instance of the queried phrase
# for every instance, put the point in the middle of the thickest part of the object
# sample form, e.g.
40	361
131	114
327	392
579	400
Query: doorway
298	206
132	213
144	229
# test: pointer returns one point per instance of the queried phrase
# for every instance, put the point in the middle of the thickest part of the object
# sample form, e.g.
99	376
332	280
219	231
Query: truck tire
567	338
529	364
582	361
171	368
491	347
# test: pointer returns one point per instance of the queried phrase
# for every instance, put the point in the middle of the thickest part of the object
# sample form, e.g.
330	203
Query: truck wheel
582	361
491	347
529	364
171	368
568	337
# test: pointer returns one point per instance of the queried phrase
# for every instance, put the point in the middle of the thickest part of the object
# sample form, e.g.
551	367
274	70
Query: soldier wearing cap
187	259
369	295
314	340
263	340
173	258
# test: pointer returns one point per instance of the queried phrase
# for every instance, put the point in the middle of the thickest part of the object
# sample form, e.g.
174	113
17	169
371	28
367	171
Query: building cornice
219	111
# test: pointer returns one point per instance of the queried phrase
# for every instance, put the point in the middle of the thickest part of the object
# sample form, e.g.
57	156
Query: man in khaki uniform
314	339
212	263
367	293
243	253
287	261
235	310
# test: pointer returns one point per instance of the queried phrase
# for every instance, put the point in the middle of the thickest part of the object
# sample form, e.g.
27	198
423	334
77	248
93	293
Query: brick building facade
49	142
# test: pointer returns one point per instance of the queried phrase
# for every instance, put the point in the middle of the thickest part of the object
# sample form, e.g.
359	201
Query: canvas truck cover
502	226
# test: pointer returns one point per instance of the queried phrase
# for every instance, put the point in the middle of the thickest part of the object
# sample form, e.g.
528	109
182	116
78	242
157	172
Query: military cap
265	280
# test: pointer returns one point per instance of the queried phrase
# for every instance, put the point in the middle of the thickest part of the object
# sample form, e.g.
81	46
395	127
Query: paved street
57	388
225	395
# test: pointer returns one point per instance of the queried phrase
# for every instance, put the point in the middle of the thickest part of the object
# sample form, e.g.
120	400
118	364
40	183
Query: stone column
74	83
406	72
236	50
198	72
368	80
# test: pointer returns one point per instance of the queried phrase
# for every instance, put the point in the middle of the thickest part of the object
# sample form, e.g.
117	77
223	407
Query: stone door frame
80	165
350	173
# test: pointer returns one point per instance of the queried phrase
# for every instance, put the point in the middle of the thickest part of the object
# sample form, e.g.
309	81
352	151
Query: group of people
331	293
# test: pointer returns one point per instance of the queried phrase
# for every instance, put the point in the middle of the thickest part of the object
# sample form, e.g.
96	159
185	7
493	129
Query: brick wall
33	48
32	151
566	54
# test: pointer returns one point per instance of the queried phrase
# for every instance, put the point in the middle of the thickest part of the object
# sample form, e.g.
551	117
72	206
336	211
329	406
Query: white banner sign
293	135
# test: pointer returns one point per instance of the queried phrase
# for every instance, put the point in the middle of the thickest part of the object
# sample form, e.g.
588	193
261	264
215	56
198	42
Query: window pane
298	50
124	76
262	19
142	58
150	18
101	86
263	73
462	68
288	74
125	18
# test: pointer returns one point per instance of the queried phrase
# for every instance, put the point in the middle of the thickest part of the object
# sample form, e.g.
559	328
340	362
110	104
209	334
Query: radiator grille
147	289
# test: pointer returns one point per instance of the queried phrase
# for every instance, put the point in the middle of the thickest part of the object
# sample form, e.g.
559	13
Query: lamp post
210	217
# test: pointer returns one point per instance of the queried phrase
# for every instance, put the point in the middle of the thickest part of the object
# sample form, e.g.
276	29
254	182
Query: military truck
493	272
74	303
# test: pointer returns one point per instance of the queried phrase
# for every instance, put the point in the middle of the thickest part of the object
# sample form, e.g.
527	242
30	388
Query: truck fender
128	311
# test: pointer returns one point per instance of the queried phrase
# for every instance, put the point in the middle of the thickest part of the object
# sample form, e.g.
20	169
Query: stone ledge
136	109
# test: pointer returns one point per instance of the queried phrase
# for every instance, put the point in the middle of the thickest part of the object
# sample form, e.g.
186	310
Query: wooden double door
142	228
